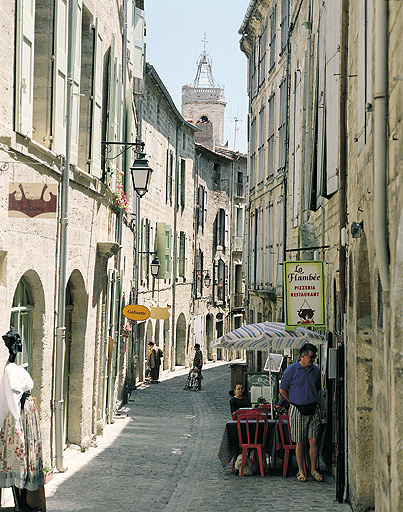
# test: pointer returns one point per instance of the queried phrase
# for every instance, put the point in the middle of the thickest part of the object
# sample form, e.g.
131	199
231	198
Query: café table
229	446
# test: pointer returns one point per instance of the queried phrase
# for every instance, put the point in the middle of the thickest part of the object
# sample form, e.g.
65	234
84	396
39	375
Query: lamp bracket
126	146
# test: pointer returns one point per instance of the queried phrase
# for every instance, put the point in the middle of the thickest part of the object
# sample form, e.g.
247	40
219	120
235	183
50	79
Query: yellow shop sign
136	312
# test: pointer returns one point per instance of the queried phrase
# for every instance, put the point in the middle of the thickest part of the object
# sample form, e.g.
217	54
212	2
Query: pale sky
175	33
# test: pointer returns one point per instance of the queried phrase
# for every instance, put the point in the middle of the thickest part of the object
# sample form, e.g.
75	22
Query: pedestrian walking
154	361
300	385
198	358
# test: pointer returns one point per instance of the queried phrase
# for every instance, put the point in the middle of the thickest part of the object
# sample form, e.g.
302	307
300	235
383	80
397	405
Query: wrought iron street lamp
141	174
207	280
155	266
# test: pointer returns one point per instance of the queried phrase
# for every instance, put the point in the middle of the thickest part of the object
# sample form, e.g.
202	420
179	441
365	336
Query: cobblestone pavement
163	458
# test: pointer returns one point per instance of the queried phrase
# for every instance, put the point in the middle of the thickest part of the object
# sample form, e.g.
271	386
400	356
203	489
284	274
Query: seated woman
238	400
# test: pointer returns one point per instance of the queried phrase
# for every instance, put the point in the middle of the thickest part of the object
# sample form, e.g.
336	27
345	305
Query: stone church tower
203	104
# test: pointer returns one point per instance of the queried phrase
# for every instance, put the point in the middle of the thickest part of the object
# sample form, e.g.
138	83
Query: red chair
286	444
235	414
256	442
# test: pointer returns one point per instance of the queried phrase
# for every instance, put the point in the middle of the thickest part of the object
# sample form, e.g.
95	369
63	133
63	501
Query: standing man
300	385
154	361
198	359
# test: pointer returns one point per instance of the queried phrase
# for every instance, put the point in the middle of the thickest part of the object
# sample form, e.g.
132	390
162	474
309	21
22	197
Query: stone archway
166	345
180	337
78	387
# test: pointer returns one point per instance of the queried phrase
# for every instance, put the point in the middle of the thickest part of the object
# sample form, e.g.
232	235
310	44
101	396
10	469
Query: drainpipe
136	346
120	214
341	382
61	292
380	142
308	26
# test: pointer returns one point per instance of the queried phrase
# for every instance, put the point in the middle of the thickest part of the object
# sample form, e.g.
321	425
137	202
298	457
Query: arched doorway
27	317
21	320
157	333
76	400
209	336
166	345
180	341
140	352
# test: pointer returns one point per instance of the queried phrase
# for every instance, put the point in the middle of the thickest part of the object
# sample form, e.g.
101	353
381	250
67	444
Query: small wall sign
136	312
304	294
32	200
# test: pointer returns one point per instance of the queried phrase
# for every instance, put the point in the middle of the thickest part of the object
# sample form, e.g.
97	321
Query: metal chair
249	440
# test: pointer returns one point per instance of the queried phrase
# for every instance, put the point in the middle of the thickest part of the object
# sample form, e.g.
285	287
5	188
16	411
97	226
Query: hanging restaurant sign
136	312
32	200
304	294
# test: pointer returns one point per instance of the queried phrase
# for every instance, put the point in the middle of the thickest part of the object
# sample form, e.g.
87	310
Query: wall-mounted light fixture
356	229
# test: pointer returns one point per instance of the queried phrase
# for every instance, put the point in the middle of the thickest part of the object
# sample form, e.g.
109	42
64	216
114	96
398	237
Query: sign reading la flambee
136	312
304	294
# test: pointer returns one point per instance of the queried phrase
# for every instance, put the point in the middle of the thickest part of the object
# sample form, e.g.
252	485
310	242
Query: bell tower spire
203	100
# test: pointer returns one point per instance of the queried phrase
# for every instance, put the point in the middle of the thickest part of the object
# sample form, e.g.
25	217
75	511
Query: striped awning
267	336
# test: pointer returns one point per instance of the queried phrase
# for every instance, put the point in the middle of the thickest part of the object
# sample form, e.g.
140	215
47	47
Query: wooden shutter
161	249
259	248
269	245
60	77
24	66
178	254
205	207
332	79
297	147
96	100
226	229
252	250
280	235
75	110
138	58
168	252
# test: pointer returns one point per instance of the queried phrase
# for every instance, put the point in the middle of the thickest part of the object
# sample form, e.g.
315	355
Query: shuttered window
24	66
269	245
272	44
297	147
332	93
282	125
270	140
262	119
75	106
96	102
284	24
59	77
280	246
252	152
138	43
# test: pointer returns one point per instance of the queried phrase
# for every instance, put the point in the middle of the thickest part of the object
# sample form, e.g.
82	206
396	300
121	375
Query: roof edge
152	73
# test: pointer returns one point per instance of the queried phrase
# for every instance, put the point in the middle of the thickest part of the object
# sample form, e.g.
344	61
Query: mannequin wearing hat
21	465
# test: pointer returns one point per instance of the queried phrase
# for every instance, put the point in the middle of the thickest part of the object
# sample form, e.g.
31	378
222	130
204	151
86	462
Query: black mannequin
13	342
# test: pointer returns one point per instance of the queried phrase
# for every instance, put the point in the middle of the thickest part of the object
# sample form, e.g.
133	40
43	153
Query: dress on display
21	463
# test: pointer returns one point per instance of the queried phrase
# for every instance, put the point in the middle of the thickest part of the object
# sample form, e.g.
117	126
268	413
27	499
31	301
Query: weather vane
204	41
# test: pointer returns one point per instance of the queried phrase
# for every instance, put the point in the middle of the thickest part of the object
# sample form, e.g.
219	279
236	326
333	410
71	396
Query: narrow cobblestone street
164	458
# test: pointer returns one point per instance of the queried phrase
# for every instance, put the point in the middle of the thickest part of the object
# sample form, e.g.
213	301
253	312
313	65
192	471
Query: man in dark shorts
300	386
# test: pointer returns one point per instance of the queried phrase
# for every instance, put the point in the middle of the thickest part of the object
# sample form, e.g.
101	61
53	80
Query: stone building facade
100	231
165	229
331	69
